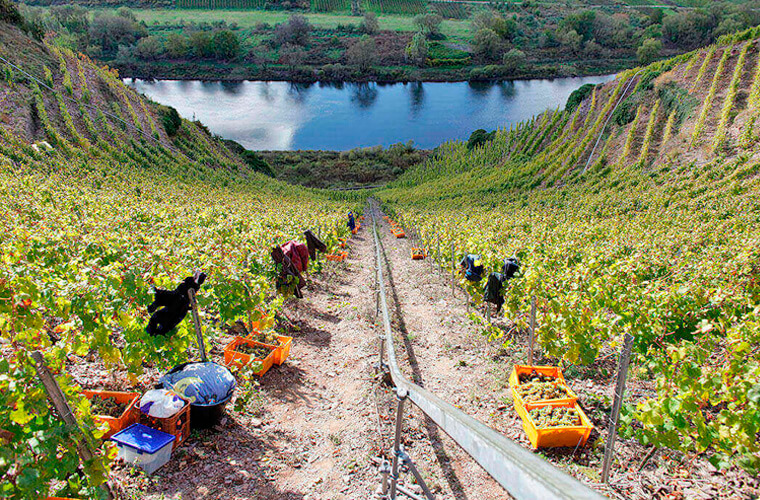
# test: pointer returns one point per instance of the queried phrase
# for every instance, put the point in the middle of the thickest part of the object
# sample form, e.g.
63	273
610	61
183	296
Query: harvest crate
282	350
418	253
552	437
178	425
552	371
129	417
337	257
400	233
236	359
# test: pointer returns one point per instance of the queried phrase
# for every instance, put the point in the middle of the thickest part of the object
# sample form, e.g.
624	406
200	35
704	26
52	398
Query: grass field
457	29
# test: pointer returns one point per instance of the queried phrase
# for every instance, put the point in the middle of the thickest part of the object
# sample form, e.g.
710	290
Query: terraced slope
104	194
653	232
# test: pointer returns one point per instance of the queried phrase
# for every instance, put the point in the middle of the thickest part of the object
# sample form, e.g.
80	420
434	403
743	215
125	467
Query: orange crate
235	359
400	234
552	437
126	419
418	254
177	425
552	371
355	230
281	351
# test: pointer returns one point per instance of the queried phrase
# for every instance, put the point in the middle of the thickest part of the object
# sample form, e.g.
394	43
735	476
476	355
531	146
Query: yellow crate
552	437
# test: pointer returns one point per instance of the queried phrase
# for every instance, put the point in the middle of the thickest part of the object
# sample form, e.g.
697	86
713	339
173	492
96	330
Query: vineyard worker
351	221
472	265
493	290
293	258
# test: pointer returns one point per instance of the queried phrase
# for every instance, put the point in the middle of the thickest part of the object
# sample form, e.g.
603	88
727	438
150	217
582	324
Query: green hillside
653	233
103	194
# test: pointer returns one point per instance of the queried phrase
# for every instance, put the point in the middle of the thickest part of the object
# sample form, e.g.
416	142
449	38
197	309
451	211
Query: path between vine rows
323	418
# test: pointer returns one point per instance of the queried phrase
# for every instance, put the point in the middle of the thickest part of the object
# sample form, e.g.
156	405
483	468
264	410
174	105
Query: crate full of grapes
538	384
556	424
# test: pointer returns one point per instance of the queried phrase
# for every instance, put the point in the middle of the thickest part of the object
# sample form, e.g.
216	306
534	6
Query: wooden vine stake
197	324
453	265
55	395
438	251
532	339
609	449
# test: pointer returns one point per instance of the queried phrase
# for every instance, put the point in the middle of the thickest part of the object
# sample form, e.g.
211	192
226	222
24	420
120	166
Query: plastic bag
161	403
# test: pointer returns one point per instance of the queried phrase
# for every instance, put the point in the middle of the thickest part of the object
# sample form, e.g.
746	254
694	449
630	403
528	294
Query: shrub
370	25
649	51
9	13
296	31
513	60
480	137
170	119
578	96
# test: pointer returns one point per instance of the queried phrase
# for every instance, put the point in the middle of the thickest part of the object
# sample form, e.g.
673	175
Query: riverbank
337	74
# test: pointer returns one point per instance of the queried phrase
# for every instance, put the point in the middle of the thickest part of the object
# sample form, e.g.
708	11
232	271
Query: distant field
246	19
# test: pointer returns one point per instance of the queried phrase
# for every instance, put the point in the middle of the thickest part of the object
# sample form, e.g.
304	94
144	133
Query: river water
289	116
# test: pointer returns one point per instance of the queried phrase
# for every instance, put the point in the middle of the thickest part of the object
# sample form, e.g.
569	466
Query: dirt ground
323	420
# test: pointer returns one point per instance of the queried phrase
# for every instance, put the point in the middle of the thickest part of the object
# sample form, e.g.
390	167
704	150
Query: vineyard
634	213
103	196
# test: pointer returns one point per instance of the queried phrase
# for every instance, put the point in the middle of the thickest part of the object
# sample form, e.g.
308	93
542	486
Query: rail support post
401	394
407	460
385	470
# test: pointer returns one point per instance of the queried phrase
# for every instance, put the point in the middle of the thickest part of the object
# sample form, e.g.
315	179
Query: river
289	116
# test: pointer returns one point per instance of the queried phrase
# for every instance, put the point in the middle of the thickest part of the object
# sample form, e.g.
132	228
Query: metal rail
523	474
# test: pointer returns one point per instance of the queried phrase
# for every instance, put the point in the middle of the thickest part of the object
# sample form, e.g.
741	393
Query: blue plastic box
145	447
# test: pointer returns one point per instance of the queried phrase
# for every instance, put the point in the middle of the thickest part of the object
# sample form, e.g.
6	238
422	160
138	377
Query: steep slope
104	194
653	233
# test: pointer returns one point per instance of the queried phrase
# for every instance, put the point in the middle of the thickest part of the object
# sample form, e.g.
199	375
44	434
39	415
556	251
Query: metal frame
523	474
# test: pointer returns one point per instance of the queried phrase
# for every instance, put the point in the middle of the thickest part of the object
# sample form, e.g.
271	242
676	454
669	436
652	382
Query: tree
149	48
504	27
177	46
488	45
417	50
296	31
370	25
513	60
571	39
74	18
429	24
649	51
202	44
363	53
110	32
582	23
226	45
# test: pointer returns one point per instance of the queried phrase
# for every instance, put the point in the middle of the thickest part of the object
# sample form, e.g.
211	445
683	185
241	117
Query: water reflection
364	94
282	115
417	94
